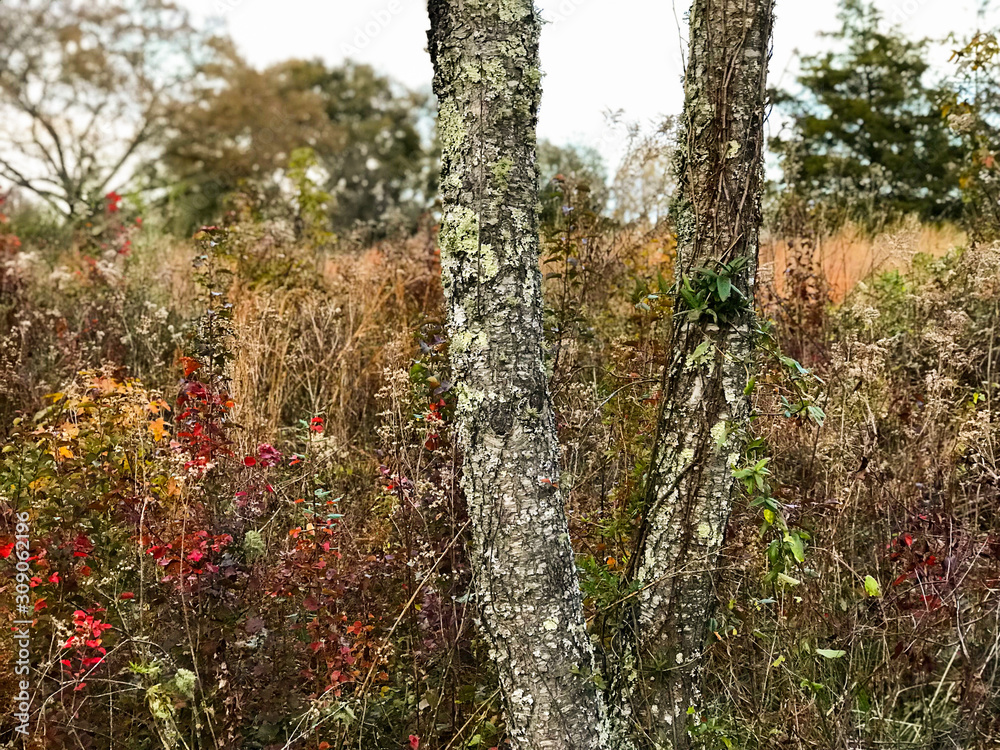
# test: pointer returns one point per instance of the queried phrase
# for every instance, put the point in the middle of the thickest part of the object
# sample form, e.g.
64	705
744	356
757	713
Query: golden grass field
850	255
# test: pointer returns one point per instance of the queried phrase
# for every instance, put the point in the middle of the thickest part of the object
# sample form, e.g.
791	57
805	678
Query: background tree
867	137
486	77
363	128
578	166
243	131
973	114
85	88
705	412
381	164
645	178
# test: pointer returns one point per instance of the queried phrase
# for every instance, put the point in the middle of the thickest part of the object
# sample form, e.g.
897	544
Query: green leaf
788	580
795	544
792	364
816	414
700	351
871	587
724	285
831	653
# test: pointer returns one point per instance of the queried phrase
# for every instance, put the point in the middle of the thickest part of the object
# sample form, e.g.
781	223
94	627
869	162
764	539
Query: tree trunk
486	77
705	414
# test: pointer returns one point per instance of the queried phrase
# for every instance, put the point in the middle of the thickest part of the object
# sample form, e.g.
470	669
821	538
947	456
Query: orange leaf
190	365
157	427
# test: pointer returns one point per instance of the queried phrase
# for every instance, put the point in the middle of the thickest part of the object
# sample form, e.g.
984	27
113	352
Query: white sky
597	55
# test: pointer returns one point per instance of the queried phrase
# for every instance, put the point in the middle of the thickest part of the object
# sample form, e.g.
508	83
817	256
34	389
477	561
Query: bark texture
705	411
486	77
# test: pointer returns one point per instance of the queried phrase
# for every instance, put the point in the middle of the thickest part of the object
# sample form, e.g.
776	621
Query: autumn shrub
110	290
249	530
886	633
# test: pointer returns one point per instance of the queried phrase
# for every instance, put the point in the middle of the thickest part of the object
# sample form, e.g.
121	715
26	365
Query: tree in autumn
87	89
705	412
486	77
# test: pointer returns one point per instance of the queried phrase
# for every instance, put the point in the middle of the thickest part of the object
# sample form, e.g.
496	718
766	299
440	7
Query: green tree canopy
868	138
363	128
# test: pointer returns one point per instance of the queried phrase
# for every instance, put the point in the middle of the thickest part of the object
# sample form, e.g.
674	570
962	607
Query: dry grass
851	255
320	348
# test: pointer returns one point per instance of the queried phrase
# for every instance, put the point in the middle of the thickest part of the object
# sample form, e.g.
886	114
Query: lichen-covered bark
705	412
486	77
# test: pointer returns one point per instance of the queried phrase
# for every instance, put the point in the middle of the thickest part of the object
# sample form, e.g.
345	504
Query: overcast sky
597	55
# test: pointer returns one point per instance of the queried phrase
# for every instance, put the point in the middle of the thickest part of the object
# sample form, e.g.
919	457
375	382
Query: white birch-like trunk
705	413
486	77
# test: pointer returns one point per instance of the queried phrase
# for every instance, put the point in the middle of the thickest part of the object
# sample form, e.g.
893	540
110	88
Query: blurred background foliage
225	395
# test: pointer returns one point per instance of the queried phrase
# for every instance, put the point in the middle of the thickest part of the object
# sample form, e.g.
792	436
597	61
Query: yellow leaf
65	452
157	427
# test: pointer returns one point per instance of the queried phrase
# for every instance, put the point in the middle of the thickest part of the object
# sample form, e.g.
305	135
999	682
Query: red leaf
310	603
249	461
269	455
414	742
190	366
82	546
54	578
6	550
127	595
40	604
908	540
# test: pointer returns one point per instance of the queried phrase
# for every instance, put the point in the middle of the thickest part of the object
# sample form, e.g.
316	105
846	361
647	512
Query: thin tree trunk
486	77
705	415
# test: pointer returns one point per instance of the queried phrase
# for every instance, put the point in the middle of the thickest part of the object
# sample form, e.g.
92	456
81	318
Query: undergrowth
247	527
